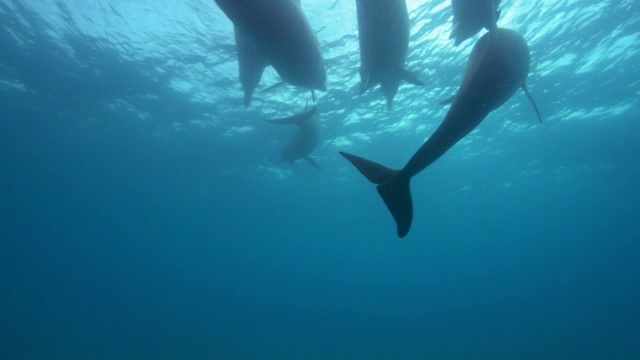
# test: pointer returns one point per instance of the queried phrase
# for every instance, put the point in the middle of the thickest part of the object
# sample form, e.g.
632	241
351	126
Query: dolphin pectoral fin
298	119
533	102
409	77
396	194
373	171
313	95
447	101
364	85
454	31
273	86
311	162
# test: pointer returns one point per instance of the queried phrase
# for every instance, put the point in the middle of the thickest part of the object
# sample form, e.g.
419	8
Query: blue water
142	215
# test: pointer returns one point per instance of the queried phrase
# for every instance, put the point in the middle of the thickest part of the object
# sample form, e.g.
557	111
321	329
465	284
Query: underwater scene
319	179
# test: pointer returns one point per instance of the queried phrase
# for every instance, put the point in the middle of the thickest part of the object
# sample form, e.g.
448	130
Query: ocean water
143	215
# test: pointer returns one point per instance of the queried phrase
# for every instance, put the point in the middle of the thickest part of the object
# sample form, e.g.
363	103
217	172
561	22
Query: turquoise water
143	216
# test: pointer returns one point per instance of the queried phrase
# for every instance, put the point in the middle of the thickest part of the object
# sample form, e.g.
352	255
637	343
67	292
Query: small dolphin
497	67
470	16
279	30
251	65
383	32
304	141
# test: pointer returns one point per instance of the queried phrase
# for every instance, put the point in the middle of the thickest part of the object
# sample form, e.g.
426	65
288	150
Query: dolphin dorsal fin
533	102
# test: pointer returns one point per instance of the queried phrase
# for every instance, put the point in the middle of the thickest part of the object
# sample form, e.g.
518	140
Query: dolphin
498	66
383	33
251	65
279	31
470	16
304	141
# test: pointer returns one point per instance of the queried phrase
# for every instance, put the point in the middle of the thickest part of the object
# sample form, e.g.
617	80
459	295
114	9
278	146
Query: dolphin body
498	66
251	65
304	141
279	31
383	33
470	16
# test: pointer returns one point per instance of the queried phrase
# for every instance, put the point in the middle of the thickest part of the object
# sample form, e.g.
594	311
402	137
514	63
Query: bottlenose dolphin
470	16
305	140
251	65
498	66
279	30
383	33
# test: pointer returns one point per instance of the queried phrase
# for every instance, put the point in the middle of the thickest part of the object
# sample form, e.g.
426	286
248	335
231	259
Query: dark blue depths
118	243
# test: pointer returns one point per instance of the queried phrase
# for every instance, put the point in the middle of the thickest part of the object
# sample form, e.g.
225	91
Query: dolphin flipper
298	119
392	187
409	77
273	86
311	162
533	103
447	101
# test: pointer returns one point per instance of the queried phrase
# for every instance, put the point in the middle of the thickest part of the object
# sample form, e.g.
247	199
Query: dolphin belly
383	35
280	31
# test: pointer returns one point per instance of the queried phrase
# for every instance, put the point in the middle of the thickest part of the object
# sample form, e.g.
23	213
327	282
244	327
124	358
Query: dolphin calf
497	67
251	65
383	33
304	141
279	31
470	16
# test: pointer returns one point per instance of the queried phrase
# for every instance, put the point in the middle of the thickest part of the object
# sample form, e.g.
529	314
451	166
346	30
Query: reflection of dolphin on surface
498	66
383	33
279	30
470	16
304	141
251	65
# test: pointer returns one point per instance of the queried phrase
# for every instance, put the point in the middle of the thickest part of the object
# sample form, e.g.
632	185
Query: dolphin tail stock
533	102
298	119
393	188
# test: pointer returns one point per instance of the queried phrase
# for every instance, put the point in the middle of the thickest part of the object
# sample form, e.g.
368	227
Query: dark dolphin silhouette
498	66
304	141
383	32
470	16
251	65
279	31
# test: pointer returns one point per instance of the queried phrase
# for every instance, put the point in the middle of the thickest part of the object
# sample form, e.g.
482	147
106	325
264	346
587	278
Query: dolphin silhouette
304	141
279	31
251	65
470	16
497	67
383	33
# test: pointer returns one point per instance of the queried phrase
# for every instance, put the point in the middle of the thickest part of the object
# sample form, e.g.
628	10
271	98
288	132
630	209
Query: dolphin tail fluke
410	77
396	194
373	171
298	119
533	102
392	187
311	162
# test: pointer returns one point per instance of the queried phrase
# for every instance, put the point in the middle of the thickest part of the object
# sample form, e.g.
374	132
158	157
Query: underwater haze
143	214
